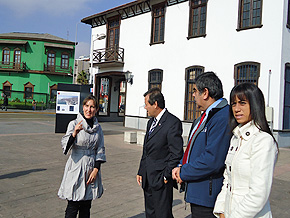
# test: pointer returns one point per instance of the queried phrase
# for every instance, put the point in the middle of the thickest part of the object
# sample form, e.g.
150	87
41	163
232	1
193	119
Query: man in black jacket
162	150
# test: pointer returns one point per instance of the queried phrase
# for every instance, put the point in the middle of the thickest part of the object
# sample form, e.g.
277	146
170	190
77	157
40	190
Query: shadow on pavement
19	173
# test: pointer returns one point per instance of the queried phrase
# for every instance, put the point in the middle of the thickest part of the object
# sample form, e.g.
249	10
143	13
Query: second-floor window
197	20
64	61
6	56
113	33
17	57
250	14
191	110
158	23
155	78
51	59
247	72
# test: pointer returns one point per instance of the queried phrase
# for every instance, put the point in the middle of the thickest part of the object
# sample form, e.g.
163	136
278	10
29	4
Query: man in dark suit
162	150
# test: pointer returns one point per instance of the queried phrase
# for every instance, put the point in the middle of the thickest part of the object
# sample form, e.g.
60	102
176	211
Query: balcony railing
14	66
111	55
57	69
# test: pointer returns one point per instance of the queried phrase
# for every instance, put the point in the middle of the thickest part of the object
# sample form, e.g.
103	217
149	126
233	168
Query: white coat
87	148
248	175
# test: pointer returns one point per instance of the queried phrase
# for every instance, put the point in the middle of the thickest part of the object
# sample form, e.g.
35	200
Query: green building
32	65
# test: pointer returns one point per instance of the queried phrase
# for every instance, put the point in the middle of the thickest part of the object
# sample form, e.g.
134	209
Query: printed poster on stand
67	102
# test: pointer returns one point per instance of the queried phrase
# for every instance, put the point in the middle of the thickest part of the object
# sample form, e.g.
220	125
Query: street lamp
129	77
75	70
94	38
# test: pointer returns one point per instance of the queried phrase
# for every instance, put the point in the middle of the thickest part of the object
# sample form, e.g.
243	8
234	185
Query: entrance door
286	117
104	97
113	39
122	100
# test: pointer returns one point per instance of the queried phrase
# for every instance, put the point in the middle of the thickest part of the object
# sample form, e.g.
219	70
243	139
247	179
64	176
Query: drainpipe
268	100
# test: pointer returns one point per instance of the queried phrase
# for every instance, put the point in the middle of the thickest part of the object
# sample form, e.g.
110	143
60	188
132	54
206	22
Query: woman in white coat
250	160
81	181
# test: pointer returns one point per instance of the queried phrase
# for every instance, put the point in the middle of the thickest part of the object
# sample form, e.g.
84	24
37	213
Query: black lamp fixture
129	77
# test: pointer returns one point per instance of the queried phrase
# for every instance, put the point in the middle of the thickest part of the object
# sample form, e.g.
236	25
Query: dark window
113	39
286	114
17	58
250	14
53	93
191	110
64	61
7	87
155	78
288	15
6	56
247	72
28	89
113	33
51	59
197	18
158	23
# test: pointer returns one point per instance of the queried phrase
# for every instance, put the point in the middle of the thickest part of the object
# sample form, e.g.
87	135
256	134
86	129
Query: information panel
67	102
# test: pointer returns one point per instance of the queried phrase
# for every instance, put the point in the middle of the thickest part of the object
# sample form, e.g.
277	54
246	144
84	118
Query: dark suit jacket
162	151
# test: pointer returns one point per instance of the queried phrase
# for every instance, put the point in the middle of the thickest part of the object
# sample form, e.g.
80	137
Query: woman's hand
93	176
77	129
222	215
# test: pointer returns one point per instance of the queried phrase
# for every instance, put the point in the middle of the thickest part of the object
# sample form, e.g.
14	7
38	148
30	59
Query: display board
67	102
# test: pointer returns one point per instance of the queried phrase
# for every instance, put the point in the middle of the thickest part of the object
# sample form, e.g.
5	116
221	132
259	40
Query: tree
83	78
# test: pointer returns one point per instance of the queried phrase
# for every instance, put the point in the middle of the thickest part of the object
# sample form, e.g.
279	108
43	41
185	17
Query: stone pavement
32	164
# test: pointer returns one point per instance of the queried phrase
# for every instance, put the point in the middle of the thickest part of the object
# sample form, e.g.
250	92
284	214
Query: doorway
111	94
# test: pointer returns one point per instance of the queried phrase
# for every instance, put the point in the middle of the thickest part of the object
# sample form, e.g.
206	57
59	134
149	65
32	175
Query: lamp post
94	38
74	70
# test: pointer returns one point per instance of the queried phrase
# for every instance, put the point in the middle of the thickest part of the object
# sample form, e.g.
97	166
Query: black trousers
158	204
198	211
73	207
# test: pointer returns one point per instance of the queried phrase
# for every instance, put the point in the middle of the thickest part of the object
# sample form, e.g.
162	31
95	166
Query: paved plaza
32	164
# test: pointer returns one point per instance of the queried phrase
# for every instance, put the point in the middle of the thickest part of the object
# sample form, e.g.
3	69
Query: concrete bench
130	137
140	137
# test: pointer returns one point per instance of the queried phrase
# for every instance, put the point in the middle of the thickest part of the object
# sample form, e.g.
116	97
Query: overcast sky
56	17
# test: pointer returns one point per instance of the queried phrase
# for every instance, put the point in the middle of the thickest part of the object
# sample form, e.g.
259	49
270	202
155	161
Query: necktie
185	156
153	126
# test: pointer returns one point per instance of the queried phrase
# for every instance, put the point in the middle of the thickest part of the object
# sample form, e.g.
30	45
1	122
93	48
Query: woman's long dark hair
255	97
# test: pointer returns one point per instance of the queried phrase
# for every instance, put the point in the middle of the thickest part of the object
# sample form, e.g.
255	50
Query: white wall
219	51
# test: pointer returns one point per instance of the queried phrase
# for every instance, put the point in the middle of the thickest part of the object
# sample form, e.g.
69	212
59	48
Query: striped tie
153	126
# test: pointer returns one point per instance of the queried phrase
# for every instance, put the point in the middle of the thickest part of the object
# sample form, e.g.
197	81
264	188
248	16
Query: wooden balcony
109	57
12	66
58	70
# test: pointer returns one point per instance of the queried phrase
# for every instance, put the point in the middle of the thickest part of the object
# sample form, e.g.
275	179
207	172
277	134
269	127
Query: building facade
82	64
168	43
34	64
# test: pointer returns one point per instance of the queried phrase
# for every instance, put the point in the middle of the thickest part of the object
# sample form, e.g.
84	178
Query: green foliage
15	100
83	78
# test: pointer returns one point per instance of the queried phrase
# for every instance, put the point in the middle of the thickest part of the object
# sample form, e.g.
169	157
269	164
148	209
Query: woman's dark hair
251	93
91	97
155	95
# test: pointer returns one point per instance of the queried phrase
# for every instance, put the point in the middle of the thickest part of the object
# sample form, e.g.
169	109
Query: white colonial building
168	43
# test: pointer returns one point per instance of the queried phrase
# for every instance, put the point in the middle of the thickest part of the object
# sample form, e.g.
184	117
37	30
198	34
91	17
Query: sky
56	17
